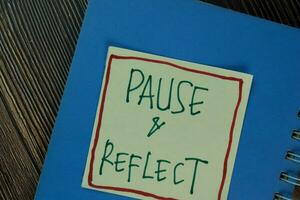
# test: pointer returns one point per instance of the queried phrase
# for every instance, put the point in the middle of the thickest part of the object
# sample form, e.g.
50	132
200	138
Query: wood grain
37	38
37	42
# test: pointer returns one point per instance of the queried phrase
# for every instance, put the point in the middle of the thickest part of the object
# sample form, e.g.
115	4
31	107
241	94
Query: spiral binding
296	134
285	176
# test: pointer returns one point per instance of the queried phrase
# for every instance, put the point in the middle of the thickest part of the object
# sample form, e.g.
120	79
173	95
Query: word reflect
134	163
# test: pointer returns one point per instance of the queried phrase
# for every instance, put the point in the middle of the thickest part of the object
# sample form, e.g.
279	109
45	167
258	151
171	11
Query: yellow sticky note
165	128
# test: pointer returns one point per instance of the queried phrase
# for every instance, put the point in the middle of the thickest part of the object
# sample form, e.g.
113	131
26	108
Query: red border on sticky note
96	138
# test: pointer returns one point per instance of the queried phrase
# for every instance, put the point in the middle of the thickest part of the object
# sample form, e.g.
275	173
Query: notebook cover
196	32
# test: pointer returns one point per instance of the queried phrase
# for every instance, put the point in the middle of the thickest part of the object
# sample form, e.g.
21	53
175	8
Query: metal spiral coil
296	134
279	196
286	177
293	157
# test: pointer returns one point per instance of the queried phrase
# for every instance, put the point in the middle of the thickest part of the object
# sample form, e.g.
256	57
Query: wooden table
37	41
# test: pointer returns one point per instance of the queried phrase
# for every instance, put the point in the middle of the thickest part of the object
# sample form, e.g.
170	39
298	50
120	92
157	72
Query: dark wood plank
18	175
37	41
281	11
37	38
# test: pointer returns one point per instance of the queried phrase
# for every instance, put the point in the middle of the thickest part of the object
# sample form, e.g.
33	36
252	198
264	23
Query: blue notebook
190	36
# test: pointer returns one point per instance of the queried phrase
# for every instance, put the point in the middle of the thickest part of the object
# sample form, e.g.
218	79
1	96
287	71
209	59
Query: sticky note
165	128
